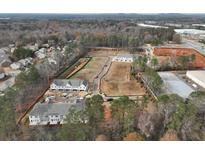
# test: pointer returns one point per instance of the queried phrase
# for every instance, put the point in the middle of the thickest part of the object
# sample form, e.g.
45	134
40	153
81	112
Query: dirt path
102	72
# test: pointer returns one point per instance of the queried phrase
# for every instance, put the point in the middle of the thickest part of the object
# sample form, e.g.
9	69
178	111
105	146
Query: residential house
51	113
7	83
25	62
123	58
32	47
16	65
73	85
52	61
2	74
41	53
4	58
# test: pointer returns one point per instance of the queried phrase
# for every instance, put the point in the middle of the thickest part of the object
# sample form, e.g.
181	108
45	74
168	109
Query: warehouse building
197	76
174	85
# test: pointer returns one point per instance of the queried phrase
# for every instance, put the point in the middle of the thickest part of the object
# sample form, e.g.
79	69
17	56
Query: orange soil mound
199	61
133	137
170	135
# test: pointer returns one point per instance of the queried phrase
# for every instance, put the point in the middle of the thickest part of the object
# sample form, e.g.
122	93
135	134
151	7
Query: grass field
90	71
118	82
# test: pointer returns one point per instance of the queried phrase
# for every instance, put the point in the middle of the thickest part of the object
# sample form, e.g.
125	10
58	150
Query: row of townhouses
123	58
64	84
52	113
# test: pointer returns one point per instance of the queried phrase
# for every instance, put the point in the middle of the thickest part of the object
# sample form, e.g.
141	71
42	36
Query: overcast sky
102	6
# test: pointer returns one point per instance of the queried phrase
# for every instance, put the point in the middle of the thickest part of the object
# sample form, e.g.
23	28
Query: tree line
125	40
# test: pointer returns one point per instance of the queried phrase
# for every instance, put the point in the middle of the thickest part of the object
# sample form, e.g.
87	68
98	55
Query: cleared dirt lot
90	71
163	53
118	82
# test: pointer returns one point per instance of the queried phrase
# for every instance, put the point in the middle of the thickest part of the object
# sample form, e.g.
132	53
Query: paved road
195	45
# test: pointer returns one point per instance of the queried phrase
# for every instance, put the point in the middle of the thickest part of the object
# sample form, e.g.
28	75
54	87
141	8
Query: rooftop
124	56
46	109
199	74
174	84
190	31
73	83
3	56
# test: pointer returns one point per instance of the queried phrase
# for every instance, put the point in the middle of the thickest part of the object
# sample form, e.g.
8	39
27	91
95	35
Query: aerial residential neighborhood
119	77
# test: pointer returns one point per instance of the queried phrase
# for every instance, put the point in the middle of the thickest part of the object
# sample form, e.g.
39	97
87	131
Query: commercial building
175	85
197	76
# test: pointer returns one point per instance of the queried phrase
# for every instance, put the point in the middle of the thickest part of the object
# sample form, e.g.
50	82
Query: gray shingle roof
46	109
3	56
125	56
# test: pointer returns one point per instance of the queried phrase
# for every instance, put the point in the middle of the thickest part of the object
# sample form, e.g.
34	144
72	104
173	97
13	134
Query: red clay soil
199	61
133	137
107	111
170	135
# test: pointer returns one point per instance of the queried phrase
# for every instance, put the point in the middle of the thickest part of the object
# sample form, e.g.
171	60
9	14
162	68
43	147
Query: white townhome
65	84
51	113
123	58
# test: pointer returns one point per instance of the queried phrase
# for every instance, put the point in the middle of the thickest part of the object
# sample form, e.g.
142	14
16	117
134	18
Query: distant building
74	85
190	31
197	76
51	113
123	58
173	25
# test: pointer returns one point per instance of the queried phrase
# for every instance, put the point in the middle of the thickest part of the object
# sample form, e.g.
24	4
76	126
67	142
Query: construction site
119	82
165	55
